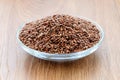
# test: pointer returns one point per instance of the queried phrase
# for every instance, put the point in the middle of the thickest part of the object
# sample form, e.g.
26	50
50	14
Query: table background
15	64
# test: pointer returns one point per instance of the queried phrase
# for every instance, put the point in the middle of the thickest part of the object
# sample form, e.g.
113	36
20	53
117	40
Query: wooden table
15	64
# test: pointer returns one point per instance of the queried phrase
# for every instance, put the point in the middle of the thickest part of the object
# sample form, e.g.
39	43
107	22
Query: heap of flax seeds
59	34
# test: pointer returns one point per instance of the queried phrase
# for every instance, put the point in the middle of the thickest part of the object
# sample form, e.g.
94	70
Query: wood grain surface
15	64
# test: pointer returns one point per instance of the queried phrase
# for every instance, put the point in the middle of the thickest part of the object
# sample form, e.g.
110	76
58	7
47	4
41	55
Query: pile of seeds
59	34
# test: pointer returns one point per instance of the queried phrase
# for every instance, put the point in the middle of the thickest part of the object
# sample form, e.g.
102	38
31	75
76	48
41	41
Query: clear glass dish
63	57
